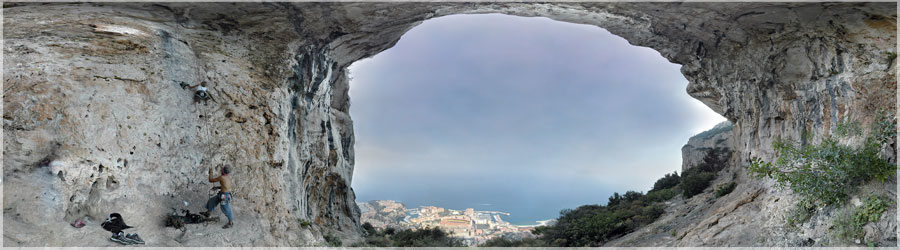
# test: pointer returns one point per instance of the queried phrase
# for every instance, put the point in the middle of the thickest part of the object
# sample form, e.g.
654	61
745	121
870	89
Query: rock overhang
774	69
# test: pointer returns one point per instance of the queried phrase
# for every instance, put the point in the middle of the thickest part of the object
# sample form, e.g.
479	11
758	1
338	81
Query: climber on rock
223	197
201	93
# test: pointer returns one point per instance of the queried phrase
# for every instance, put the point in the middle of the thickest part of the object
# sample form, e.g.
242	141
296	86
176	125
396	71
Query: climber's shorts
224	200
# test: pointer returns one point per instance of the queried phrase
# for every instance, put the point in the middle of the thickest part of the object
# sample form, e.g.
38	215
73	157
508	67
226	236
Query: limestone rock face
698	146
96	121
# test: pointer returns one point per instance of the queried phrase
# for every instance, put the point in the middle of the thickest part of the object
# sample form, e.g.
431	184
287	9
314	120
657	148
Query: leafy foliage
725	189
332	240
506	242
662	195
390	237
801	212
871	210
885	127
829	171
304	223
668	181
715	160
428	237
848	226
368	229
594	225
697	179
845	228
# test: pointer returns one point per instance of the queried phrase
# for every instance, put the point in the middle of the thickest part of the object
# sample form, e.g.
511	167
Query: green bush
506	242
885	127
304	223
845	228
668	181
871	210
613	199
697	179
332	240
662	195
390	237
848	225
378	241
428	237
368	229
724	189
802	211
594	225
829	171
715	160
694	181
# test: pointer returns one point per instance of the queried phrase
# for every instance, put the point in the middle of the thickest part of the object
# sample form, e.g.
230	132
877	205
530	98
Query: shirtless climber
201	93
223	197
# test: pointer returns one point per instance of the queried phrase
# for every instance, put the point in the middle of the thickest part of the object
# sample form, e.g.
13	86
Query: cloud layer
530	115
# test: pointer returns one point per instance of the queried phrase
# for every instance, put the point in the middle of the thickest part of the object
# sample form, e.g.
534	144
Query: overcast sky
528	115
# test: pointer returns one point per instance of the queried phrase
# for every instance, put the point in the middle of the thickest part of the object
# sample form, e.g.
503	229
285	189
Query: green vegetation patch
304	223
848	225
332	240
668	181
697	179
695	182
506	242
802	211
872	208
390	237
725	189
428	237
595	225
829	171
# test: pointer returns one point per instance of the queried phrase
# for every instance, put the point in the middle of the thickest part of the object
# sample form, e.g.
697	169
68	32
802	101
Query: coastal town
473	227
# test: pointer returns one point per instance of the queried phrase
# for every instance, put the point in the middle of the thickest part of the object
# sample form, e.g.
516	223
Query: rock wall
698	146
95	119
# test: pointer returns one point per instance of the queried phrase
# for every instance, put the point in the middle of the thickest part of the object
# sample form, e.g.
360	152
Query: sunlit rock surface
698	146
95	120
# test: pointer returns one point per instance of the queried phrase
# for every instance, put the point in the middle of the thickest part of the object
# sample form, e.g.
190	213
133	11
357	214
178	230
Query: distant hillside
719	128
383	213
698	146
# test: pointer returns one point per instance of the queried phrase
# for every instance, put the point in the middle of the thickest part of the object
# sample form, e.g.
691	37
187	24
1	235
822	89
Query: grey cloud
513	111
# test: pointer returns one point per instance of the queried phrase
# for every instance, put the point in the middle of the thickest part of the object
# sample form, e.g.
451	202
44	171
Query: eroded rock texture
95	120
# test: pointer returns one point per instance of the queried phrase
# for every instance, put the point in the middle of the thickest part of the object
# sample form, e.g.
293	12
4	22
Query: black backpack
115	223
178	221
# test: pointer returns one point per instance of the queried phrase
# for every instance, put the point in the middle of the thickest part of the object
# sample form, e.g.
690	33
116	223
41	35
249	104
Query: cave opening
526	115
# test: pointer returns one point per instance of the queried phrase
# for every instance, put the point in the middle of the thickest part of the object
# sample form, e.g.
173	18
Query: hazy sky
528	115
